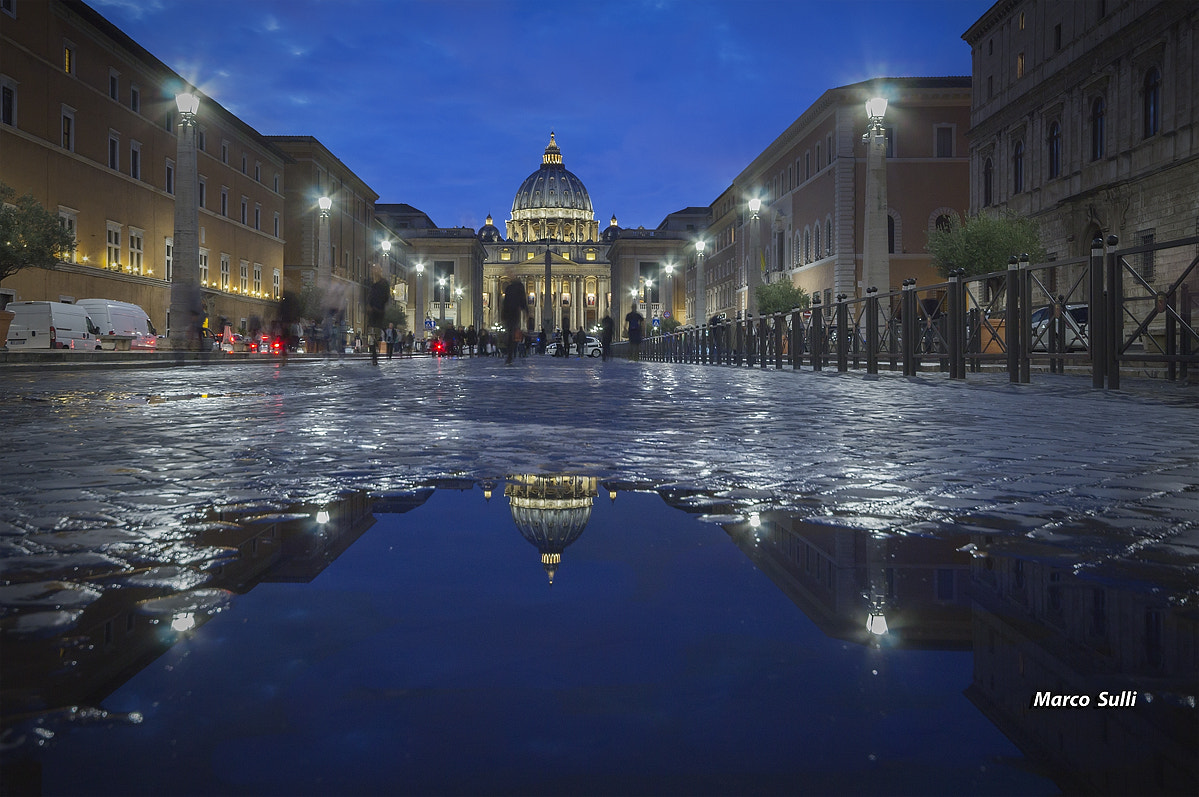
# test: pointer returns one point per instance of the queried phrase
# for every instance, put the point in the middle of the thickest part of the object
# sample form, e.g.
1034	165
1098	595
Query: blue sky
448	104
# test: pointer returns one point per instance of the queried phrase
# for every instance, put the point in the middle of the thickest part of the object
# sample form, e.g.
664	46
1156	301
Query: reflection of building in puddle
551	512
136	599
1044	634
863	586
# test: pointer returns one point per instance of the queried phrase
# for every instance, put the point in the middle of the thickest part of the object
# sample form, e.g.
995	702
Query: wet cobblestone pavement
130	447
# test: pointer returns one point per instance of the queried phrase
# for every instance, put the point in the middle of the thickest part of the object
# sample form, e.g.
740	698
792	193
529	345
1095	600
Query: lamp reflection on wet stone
551	512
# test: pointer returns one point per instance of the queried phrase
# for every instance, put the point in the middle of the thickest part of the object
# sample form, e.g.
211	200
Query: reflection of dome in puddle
551	512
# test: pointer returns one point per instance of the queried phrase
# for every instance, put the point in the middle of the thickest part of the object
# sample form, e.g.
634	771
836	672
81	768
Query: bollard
842	333
763	354
1096	314
796	341
872	341
1057	335
957	369
1114	323
908	326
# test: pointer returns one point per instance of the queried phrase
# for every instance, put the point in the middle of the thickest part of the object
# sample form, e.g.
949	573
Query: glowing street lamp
876	266
700	286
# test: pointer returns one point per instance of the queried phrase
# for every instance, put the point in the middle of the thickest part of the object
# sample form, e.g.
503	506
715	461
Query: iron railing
1117	308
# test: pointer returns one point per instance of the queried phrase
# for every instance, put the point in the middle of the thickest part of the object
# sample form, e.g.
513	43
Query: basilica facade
574	273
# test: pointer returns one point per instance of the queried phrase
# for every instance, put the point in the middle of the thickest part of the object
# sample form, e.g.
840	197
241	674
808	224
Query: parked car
1076	316
122	319
51	325
592	348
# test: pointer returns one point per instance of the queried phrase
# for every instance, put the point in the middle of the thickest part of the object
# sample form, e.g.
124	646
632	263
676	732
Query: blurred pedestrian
580	341
514	308
634	323
607	329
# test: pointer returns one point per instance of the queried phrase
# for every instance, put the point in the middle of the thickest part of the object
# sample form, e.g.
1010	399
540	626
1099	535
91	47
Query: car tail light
53	338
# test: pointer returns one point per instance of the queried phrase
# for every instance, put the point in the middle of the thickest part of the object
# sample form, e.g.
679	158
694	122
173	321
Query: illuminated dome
552	204
489	233
551	512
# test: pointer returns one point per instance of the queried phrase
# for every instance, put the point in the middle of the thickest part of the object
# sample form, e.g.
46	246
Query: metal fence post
1025	312
1115	314
1096	314
817	334
872	342
761	341
954	338
909	326
842	333
1011	315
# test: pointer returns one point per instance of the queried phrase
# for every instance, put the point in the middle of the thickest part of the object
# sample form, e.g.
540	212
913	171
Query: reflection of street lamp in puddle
183	622
876	566
551	512
322	517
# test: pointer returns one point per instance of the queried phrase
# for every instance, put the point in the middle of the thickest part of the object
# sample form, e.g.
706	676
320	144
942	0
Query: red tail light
53	338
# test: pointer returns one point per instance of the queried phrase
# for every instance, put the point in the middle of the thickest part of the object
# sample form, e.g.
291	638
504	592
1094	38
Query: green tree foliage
394	314
779	297
30	235
983	243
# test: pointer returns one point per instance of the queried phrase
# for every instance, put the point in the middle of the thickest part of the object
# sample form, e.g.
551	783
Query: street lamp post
753	277
420	270
441	299
670	289
185	267
876	267
700	286
649	295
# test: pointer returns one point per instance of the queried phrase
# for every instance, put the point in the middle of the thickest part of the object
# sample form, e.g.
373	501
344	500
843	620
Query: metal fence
1116	309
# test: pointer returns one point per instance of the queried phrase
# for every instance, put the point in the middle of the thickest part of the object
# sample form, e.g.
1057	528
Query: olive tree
779	297
30	235
984	243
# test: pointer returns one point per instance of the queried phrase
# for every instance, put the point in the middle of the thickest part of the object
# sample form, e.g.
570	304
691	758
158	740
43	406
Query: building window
276	281
1018	168
1019	65
988	183
243	163
1057	37
114	151
889	132
243	276
257	217
204	267
257	278
257	172
225	152
944	142
168	121
201	139
990	87
816	241
170	176
807	246
68	58
1152	102
9	7
224	201
819	162
136	238
1098	128
112	258
1021	20
245	210
828	236
135	99
944	223
224	271
68	220
807	166
135	160
890	234
276	225
276	183
1055	150
8	102
203	194
168	259
1148	262
114	84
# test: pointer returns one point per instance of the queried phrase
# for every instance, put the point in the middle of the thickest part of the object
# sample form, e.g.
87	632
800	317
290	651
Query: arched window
816	241
828	235
1152	101
943	223
1018	168
891	234
1055	150
988	183
807	246
1098	128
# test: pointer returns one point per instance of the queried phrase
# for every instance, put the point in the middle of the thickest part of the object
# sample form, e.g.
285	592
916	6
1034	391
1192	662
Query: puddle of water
562	635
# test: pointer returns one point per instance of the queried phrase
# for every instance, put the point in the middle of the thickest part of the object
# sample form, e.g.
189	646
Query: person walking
580	342
514	308
389	337
607	329
634	323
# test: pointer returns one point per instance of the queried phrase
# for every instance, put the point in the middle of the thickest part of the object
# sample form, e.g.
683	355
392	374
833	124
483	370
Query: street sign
657	322
430	323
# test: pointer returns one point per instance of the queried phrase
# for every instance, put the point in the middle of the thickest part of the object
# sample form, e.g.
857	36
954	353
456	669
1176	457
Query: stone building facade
88	127
1084	118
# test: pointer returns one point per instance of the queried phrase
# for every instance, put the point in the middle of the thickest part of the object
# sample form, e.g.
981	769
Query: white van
51	325
121	318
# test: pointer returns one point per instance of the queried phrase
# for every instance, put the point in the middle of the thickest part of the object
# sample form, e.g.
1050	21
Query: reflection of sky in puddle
433	655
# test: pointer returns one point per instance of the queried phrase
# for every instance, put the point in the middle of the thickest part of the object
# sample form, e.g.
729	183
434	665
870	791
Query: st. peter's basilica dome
552	204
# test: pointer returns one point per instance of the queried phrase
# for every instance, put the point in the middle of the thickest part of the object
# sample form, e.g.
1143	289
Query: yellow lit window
505	254
591	254
1020	65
